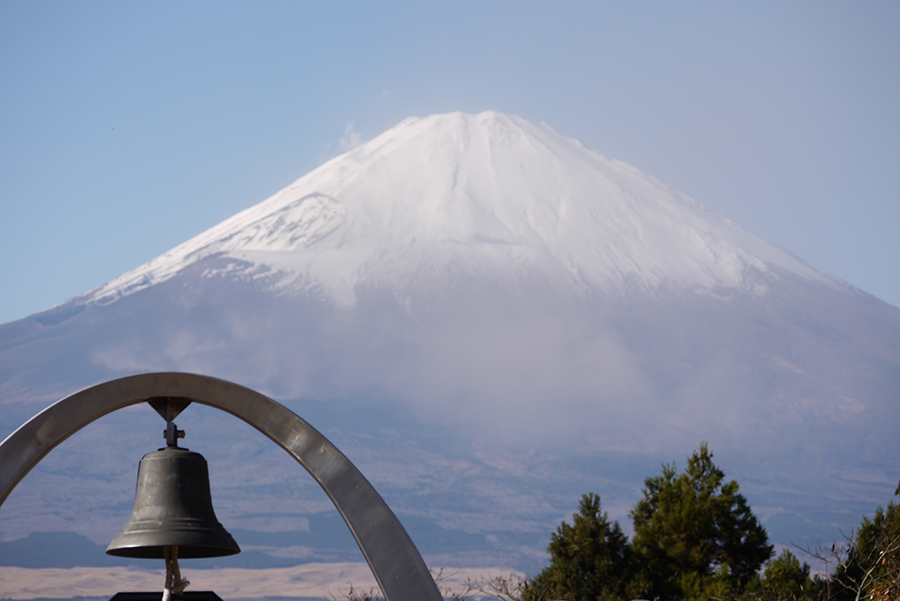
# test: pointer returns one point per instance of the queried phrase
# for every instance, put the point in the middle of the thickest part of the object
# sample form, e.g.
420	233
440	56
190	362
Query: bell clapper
175	584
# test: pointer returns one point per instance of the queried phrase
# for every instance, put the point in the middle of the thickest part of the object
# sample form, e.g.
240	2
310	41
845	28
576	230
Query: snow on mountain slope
488	194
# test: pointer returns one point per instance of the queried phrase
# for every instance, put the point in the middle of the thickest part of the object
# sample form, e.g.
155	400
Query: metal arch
393	558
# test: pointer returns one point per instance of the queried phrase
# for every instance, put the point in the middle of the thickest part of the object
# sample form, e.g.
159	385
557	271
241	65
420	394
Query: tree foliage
694	531
873	561
784	579
589	559
694	537
866	566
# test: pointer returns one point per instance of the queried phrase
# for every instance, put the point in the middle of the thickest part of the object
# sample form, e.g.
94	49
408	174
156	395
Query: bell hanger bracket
169	408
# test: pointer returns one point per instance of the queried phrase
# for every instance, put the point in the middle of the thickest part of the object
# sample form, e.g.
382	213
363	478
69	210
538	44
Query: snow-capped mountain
489	319
489	195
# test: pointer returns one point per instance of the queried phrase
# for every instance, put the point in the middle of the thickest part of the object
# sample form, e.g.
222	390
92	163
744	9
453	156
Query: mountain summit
490	320
487	195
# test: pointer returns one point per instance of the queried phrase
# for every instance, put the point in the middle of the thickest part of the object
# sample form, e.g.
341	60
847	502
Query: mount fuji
489	319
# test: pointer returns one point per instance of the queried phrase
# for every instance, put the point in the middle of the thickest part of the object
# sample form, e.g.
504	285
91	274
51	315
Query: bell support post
393	558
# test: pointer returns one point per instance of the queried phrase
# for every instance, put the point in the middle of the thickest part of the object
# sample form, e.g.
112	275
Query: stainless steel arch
391	554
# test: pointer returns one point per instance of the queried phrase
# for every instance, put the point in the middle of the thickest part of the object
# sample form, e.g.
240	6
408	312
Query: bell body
173	508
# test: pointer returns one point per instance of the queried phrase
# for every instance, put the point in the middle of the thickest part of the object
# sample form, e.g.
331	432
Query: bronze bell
173	508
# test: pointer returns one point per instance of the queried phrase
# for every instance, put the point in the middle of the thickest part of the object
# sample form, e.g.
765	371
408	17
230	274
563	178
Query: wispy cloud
351	138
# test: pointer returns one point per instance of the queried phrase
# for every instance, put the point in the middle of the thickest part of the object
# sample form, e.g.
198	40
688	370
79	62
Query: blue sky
128	127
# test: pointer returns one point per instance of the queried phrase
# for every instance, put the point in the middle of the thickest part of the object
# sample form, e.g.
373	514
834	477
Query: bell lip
148	542
184	552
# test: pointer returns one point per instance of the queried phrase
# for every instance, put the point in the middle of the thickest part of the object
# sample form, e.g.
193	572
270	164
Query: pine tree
589	560
694	531
784	579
